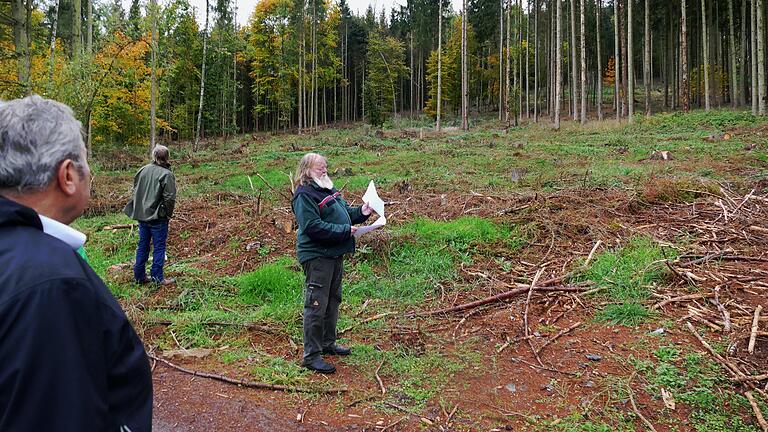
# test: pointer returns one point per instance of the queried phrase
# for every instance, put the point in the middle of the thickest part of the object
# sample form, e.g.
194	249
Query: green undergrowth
275	288
418	375
424	254
699	385
627	275
579	422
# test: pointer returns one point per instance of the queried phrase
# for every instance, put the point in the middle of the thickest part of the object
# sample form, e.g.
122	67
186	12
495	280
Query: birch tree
558	63
583	66
202	79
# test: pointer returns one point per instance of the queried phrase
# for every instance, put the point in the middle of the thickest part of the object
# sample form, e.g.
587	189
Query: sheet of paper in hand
376	203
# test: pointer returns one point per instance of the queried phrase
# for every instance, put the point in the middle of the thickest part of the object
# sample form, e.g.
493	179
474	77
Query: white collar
74	238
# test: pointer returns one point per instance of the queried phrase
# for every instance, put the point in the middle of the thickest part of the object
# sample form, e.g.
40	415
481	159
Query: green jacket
324	220
154	194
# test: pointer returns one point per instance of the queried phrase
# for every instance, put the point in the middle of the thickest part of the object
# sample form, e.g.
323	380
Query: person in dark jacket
69	358
154	197
326	229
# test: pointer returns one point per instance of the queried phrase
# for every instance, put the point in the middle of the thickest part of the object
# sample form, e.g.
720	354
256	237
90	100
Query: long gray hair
303	172
36	135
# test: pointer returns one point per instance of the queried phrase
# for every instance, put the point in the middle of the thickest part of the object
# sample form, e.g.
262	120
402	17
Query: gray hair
303	172
36	135
160	154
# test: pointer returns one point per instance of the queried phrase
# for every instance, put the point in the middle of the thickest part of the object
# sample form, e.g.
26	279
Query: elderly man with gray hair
154	197
69	358
326	233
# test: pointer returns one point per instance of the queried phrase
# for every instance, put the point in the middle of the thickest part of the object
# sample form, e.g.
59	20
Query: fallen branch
634	406
246	383
755	324
528	299
752	378
592	252
367	320
737	374
248	326
499	297
723	362
378	378
555	337
395	423
758	413
723	311
686	297
118	226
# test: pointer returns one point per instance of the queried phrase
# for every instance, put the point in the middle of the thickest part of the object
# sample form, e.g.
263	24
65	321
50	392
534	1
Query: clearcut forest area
576	195
622	289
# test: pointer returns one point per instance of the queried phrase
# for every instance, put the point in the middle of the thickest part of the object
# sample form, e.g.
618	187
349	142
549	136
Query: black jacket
69	358
324	220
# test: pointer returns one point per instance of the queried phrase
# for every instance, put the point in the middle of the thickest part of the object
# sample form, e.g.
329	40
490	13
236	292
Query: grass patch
406	275
626	314
459	233
627	274
275	287
279	371
578	422
418	376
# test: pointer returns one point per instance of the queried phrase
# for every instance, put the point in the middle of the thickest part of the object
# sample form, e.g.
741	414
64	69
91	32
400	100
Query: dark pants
322	296
156	232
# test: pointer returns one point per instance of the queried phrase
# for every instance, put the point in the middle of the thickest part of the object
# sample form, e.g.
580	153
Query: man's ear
68	177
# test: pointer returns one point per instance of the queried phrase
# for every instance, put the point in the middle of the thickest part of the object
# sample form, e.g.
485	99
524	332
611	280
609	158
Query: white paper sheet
377	204
372	198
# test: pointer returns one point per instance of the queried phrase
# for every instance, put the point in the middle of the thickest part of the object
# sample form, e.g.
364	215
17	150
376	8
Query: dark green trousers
322	296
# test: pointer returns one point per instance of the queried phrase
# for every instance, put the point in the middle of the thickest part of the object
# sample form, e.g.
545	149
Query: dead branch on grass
734	371
499	297
683	298
558	335
634	406
758	413
367	320
378	378
246	383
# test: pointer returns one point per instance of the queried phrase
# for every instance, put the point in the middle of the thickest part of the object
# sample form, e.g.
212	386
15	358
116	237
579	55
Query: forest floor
647	276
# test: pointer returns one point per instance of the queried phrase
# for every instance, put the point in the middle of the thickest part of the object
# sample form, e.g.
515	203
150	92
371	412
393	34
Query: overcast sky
245	7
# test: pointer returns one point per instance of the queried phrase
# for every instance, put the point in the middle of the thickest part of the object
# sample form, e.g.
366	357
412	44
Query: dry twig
555	337
758	413
755	325
378	378
634	406
367	320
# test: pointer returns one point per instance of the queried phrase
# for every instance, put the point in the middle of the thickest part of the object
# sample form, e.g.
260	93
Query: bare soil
500	394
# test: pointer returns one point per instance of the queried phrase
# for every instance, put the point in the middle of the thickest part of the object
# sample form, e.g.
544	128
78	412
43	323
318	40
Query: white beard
324	181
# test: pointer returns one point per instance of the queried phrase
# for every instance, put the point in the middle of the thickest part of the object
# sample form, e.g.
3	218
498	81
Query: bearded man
326	232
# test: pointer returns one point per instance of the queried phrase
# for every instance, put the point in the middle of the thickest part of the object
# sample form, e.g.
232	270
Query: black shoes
319	365
337	350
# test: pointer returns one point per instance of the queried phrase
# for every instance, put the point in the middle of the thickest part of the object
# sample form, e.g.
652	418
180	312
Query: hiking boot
144	281
319	365
337	350
166	282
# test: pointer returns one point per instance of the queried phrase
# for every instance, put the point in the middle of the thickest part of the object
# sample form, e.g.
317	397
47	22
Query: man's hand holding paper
372	200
